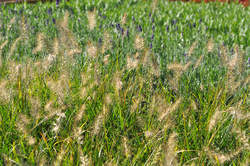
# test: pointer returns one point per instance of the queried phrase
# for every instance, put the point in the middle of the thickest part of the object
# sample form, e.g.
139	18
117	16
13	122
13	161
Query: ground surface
124	83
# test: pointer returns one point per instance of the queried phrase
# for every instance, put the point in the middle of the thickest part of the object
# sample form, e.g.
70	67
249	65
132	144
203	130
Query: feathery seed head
126	147
214	119
97	124
91	50
91	19
210	45
170	156
132	63
139	42
191	50
106	59
40	43
170	109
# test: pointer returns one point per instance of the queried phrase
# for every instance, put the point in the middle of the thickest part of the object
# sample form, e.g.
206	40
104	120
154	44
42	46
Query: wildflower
139	28
57	3
50	11
152	37
148	134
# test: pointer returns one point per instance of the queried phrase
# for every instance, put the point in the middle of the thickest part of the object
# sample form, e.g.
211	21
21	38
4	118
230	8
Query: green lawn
131	82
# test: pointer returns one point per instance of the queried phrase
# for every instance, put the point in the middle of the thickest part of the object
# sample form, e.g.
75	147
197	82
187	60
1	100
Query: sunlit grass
124	83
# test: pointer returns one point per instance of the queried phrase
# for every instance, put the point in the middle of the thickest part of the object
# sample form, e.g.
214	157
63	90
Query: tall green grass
124	83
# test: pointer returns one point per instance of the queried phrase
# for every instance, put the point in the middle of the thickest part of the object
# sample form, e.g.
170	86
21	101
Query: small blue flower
127	33
173	22
49	11
152	37
167	28
133	18
57	2
139	28
153	28
118	26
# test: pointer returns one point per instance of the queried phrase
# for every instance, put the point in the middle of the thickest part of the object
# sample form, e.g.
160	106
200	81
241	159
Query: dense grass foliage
124	83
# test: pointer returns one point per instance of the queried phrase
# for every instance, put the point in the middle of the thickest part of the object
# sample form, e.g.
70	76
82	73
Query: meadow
131	82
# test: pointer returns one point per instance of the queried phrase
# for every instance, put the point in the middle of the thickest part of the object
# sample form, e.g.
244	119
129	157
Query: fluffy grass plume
170	156
91	15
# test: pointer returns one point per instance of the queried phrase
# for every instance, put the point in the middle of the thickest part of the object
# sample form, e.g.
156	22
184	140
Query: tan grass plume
210	45
170	156
170	109
191	49
139	42
91	15
40	43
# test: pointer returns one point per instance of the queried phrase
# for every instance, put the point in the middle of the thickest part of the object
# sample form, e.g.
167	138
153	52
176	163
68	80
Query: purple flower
54	20
100	41
248	61
185	54
173	22
49	11
167	28
153	28
150	14
153	20
127	33
57	2
118	26
152	37
133	18
139	28
122	31
151	45
194	25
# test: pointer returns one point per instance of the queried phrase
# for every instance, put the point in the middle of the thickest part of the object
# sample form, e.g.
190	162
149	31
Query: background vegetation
124	83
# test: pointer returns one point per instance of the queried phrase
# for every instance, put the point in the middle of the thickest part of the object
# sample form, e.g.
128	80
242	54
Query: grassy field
124	83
